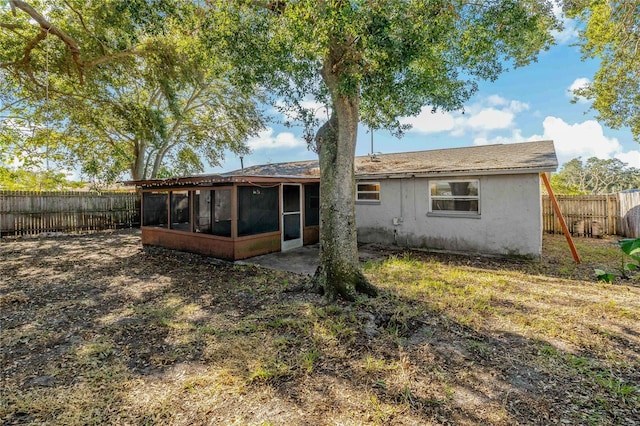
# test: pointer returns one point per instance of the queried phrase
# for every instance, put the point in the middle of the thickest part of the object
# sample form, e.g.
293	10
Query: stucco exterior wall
510	220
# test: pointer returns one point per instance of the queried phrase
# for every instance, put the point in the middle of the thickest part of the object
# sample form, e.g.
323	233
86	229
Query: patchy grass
97	330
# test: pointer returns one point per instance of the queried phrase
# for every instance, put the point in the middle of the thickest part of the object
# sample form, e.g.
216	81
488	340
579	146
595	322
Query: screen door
291	216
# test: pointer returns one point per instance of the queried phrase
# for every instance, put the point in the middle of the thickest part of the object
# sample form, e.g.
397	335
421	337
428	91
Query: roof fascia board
453	173
204	181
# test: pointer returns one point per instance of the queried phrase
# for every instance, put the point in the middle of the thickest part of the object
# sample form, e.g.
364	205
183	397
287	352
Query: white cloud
491	113
320	111
267	140
632	158
515	137
578	83
430	122
511	105
497	100
491	119
517	106
495	113
585	139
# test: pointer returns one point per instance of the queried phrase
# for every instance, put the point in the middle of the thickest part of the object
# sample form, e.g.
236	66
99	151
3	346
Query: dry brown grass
97	330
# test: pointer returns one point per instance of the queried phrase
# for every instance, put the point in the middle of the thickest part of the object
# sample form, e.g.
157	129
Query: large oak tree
372	62
117	87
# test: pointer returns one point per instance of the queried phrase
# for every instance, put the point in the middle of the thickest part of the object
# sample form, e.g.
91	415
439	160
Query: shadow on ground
96	329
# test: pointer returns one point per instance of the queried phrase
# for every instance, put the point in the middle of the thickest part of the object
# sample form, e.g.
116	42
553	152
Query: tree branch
48	27
5	107
79	15
26	59
108	57
9	26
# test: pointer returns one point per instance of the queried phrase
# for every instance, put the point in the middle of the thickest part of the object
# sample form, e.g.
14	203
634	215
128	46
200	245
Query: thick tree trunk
137	167
339	272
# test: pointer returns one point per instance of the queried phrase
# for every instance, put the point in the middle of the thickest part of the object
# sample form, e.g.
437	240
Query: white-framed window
368	191
454	196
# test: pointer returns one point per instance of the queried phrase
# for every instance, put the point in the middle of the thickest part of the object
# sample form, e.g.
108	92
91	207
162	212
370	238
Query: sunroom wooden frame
233	247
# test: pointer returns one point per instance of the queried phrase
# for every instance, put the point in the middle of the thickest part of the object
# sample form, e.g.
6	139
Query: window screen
311	205
180	211
213	211
290	198
454	196
257	210
222	212
202	210
155	208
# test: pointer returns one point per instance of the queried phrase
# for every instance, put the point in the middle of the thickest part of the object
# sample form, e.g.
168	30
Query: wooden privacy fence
32	212
595	215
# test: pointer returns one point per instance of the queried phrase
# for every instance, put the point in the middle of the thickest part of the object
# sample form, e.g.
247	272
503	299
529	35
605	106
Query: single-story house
480	199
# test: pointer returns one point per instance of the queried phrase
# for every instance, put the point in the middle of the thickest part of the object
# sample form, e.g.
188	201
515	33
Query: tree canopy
611	33
131	123
21	179
595	176
396	56
120	87
373	62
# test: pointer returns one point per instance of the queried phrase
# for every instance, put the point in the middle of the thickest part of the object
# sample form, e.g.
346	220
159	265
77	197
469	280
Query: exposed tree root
346	285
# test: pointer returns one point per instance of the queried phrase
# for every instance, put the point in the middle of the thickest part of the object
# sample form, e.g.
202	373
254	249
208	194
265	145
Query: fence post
612	214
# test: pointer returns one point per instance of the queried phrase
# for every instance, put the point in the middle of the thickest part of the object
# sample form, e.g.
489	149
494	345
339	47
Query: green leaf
614	88
630	247
631	267
604	276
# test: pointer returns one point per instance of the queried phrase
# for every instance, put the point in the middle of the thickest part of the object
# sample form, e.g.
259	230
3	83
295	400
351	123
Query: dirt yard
96	329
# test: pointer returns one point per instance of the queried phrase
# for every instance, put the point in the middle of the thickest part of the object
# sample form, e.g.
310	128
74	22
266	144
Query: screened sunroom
230	217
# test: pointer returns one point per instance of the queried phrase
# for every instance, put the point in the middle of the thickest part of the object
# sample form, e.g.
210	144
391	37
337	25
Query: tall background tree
611	33
123	87
23	179
595	176
372	62
131	121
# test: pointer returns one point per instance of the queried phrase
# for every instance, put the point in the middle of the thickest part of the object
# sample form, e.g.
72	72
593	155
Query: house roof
525	157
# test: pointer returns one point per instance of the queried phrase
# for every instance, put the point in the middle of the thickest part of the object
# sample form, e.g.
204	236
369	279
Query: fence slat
629	214
33	212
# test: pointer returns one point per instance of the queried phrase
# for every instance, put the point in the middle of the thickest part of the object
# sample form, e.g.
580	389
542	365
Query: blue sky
529	103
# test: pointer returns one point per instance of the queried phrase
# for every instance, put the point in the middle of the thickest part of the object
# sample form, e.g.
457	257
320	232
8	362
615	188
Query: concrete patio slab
304	260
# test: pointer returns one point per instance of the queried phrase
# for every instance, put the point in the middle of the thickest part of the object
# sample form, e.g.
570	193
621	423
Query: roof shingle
525	157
